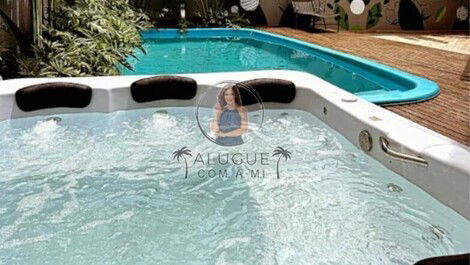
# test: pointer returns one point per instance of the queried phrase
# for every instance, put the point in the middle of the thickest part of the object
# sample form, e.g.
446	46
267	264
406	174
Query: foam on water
105	188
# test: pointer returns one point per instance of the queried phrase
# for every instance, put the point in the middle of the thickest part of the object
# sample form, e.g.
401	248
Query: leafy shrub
203	14
86	37
213	14
221	18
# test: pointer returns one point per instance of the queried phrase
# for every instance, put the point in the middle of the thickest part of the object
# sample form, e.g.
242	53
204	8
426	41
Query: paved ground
448	113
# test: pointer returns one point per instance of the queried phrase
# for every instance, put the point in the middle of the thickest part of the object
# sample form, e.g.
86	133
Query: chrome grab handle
397	155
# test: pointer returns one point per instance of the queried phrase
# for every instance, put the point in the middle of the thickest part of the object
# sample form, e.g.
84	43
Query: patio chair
314	8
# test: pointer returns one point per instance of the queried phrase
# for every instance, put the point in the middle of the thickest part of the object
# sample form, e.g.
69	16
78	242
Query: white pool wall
446	178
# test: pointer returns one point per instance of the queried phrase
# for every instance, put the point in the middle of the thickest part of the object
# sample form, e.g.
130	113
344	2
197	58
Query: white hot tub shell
447	173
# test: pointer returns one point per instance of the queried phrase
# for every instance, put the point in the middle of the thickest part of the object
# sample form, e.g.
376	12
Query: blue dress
229	120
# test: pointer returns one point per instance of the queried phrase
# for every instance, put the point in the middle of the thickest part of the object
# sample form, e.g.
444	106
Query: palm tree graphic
182	153
282	153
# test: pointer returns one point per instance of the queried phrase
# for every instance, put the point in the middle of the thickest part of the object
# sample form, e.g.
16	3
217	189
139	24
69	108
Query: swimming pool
104	188
223	50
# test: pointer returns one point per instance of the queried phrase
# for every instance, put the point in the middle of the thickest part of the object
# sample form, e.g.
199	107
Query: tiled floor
448	113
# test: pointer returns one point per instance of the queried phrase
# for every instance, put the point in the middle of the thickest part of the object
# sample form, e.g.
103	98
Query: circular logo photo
230	113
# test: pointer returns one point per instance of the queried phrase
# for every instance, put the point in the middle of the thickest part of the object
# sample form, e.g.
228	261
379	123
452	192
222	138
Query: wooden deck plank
454	43
448	113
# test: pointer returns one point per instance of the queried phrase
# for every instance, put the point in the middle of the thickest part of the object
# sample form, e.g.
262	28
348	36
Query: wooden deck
449	42
448	113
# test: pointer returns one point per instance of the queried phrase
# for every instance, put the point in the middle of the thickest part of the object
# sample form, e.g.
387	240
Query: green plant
222	18
207	8
211	13
88	37
183	25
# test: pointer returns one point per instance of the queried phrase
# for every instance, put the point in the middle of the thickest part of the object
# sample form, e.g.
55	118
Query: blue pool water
99	188
168	52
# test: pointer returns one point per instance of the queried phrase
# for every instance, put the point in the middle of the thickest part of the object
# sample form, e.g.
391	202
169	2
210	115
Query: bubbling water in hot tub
103	188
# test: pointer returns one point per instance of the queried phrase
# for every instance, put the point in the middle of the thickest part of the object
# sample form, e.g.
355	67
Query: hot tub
123	174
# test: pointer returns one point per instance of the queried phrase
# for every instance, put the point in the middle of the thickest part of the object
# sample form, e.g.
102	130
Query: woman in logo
230	117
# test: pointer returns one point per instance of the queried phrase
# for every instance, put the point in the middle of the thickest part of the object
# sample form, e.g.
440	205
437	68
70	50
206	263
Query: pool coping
446	178
423	89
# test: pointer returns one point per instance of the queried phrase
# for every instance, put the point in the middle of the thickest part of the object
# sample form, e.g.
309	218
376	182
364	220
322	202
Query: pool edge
424	89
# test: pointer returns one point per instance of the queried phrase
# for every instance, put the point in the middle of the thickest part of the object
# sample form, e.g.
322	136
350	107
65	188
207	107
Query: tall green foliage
213	14
86	37
207	7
